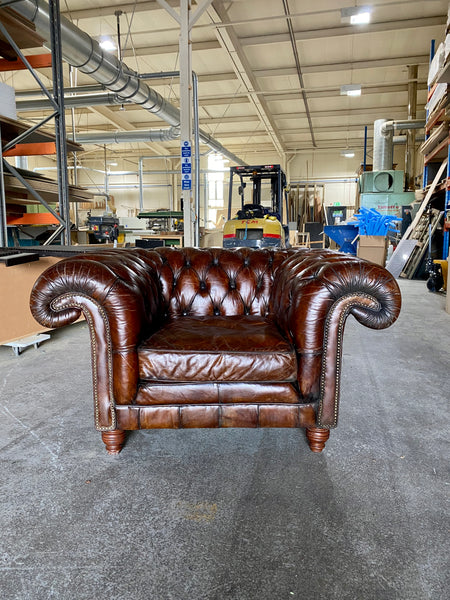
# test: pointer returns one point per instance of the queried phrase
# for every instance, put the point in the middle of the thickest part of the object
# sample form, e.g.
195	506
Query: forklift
260	223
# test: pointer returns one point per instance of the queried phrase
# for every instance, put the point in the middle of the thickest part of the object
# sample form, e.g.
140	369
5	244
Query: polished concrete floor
232	514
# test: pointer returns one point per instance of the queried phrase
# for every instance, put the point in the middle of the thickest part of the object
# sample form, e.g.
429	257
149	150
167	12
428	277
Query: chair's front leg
317	438
113	440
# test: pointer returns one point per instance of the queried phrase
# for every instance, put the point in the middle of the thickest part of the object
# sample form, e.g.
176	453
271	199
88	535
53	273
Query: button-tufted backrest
215	281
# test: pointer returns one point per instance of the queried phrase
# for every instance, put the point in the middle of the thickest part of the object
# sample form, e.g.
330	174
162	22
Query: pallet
22	343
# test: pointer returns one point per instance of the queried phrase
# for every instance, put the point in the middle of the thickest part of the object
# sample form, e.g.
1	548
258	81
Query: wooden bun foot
317	438
113	440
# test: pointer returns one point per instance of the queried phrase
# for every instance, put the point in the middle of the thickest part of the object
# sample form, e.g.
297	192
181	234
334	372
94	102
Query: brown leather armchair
213	337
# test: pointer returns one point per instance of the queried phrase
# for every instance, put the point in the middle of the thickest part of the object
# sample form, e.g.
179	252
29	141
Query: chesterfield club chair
215	338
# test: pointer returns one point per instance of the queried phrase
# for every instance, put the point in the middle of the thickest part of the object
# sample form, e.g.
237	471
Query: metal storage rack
56	99
436	148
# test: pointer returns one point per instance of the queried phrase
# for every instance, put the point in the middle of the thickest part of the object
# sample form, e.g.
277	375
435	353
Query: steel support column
186	111
3	229
197	161
365	148
141	183
410	154
60	122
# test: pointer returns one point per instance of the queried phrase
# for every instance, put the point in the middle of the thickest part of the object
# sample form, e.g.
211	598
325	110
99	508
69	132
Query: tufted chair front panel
215	282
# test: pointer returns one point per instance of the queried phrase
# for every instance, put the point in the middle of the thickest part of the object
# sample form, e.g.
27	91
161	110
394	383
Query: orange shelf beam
37	61
33	219
36	149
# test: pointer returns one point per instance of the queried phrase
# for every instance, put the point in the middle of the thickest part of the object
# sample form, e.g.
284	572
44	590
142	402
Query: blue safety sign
186	165
186	182
186	149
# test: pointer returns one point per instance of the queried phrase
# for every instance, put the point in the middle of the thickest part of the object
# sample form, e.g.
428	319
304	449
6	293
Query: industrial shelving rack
436	148
56	100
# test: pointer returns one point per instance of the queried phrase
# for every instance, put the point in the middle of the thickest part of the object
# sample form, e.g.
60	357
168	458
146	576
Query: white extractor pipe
84	53
383	136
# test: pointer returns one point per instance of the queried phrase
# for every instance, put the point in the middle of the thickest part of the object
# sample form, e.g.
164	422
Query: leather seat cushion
237	348
169	393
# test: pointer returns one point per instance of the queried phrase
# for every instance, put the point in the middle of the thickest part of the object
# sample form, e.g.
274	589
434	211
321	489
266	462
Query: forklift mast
256	174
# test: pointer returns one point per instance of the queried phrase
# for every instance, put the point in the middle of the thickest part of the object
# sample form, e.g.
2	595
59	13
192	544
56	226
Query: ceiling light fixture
107	44
348	153
351	90
356	15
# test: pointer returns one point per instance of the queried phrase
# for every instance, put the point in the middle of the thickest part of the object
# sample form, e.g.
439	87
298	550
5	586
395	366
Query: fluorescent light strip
356	15
360	19
351	90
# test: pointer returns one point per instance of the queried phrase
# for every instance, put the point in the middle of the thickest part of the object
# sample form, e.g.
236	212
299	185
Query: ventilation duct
79	89
402	139
383	148
103	99
409	124
120	137
383	141
85	54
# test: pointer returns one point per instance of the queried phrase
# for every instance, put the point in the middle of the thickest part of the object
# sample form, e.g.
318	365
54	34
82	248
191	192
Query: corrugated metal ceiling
253	35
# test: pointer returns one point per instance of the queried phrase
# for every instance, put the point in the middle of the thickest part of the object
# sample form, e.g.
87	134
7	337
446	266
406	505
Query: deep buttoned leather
215	328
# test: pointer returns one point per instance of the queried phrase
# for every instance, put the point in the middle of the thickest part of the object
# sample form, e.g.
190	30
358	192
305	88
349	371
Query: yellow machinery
260	223
444	271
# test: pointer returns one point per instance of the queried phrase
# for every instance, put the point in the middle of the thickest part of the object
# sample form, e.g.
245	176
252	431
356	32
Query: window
215	180
216	176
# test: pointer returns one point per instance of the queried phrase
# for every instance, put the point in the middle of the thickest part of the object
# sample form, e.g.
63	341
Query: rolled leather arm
120	300
314	291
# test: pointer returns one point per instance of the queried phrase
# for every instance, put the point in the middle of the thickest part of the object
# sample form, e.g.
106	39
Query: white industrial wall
334	172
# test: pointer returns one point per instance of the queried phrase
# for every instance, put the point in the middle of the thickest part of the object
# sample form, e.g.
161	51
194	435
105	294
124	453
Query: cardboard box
16	320
373	248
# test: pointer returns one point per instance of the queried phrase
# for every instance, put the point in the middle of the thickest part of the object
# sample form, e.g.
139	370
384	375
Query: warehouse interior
272	82
122	125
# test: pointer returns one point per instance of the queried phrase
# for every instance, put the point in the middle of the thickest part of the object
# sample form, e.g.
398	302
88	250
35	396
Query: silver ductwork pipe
383	135
121	137
103	99
402	139
84	53
410	124
79	89
383	148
